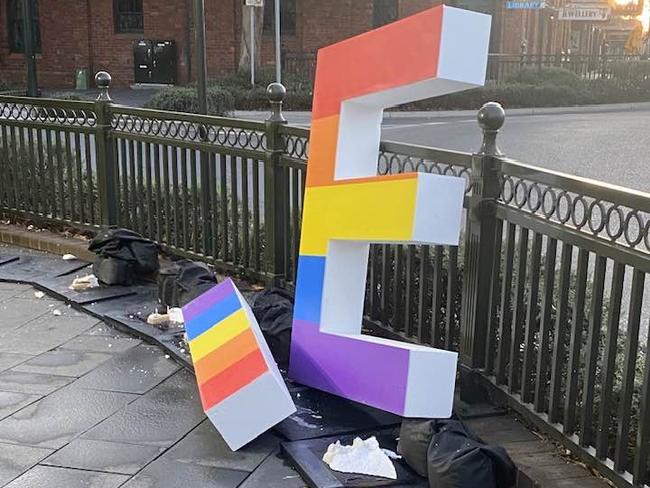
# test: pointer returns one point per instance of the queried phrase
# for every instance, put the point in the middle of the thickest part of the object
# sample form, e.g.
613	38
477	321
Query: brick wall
64	44
81	34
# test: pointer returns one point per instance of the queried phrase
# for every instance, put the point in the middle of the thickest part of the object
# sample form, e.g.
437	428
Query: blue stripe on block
212	316
309	290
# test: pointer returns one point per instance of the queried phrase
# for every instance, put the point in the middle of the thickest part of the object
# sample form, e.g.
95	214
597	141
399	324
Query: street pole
251	9
201	65
278	55
29	48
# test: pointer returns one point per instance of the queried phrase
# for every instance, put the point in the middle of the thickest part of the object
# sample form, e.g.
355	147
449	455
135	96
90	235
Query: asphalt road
611	147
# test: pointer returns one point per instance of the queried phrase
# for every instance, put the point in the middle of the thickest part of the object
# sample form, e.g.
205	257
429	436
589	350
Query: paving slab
6	295
16	312
135	371
205	446
16	287
58	418
11	402
97	343
274	472
64	363
159	418
66	478
46	332
172	474
32	383
15	460
9	360
103	456
106	330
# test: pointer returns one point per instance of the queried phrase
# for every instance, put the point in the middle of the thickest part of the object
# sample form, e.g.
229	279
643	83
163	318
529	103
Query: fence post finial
275	190
479	295
491	118
103	82
106	156
276	93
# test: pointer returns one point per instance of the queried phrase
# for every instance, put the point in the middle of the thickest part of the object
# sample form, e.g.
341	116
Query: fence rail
500	66
545	298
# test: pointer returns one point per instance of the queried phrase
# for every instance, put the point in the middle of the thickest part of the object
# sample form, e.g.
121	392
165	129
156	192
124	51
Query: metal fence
545	298
500	66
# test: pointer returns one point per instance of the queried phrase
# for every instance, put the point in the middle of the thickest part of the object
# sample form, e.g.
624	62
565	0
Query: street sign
585	13
255	3
525	5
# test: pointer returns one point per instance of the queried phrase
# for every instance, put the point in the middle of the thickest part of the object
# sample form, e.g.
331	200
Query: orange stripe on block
398	54
323	141
232	379
225	356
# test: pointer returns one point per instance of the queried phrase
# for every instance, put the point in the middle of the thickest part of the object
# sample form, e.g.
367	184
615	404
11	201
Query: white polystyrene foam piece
362	457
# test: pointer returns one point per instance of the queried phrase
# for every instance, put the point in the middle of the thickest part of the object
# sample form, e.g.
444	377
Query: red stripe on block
232	379
398	54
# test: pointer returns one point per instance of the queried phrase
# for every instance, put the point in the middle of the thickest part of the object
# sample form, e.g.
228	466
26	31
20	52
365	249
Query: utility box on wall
155	62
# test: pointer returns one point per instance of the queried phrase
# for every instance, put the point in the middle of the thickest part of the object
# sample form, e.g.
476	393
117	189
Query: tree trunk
245	57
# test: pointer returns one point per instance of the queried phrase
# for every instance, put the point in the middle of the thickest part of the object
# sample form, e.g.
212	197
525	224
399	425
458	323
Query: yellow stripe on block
217	336
369	211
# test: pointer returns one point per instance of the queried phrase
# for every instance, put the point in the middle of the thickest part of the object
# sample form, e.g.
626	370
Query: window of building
15	27
384	12
287	16
129	16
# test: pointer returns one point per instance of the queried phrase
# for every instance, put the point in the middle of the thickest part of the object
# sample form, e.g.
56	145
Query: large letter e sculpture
347	207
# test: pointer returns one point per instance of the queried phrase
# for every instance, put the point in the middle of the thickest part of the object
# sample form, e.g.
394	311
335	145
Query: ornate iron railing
544	299
500	66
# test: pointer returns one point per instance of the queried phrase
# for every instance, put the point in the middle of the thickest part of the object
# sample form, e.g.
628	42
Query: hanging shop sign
526	5
585	13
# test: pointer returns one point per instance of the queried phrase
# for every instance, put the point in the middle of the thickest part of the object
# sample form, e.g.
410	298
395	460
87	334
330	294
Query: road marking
410	126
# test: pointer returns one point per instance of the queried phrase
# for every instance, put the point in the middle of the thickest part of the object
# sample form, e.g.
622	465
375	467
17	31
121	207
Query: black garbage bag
123	257
183	281
273	309
454	457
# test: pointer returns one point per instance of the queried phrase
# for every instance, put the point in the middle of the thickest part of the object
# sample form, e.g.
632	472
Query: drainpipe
29	48
201	66
91	54
188	38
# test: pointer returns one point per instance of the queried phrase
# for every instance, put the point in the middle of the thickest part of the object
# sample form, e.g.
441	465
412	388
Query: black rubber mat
321	414
29	268
306	456
8	259
60	287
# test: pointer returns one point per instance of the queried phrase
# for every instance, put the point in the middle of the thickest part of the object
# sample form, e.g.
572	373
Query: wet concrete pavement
83	405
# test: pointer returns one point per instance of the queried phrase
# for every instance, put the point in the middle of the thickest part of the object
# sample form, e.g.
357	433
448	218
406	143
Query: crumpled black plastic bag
453	457
183	281
273	309
123	257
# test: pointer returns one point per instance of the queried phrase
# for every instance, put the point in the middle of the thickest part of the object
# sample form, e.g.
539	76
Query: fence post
274	189
480	241
105	153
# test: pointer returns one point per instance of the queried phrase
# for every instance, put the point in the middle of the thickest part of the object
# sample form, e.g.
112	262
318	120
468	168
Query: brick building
101	34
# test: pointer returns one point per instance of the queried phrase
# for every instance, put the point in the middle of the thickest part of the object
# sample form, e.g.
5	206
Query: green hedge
631	71
545	76
531	87
220	100
75	96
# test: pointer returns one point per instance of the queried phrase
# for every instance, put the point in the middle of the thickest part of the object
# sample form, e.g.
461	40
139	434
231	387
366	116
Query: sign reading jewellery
526	5
591	13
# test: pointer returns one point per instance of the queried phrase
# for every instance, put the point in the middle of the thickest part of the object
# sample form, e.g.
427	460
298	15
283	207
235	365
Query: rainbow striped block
241	389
